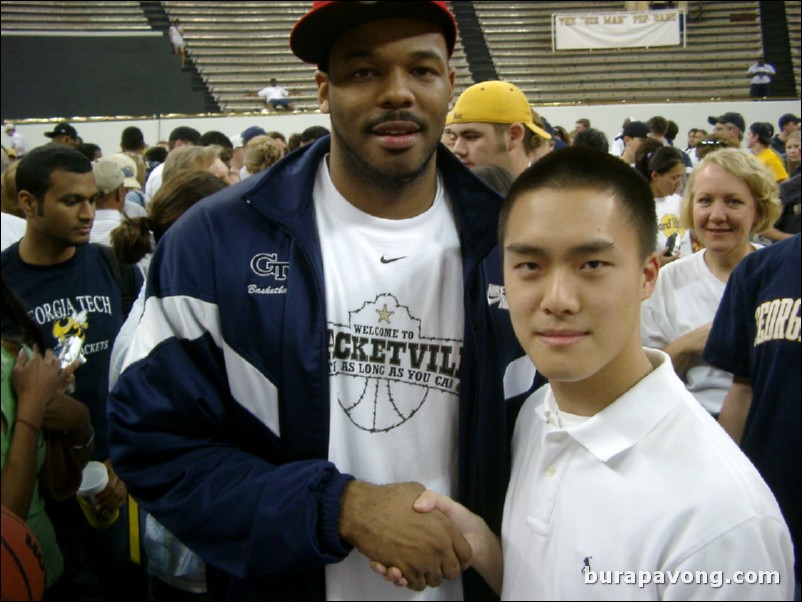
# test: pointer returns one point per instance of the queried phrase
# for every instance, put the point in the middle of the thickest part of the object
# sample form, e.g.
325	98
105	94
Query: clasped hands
415	538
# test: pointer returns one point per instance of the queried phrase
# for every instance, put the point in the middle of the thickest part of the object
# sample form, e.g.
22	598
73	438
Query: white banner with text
616	30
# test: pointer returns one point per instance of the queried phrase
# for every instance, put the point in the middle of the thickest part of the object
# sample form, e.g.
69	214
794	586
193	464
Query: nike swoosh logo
383	260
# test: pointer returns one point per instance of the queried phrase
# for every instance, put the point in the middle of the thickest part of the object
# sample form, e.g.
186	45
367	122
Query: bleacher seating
712	67
793	12
238	46
73	16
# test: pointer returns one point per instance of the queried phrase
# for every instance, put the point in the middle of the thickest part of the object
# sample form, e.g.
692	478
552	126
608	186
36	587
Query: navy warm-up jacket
219	424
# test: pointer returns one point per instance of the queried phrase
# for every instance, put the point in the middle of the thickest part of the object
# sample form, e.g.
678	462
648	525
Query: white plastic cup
95	479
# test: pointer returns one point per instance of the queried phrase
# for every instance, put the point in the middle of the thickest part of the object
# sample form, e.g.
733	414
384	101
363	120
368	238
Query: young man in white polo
623	487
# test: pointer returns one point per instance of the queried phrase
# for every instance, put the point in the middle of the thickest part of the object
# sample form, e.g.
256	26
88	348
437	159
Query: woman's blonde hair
753	173
135	237
260	153
190	158
792	166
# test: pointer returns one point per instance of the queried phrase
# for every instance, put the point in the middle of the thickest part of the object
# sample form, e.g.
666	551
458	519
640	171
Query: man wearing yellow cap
493	125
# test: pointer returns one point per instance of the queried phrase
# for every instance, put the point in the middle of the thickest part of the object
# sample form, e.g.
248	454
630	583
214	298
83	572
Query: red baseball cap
313	35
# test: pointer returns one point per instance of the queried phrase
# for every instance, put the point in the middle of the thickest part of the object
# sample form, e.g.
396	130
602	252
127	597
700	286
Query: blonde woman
260	153
788	224
792	154
730	196
196	158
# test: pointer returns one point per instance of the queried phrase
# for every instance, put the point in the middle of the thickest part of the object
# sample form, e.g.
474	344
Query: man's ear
322	80
516	134
28	203
651	268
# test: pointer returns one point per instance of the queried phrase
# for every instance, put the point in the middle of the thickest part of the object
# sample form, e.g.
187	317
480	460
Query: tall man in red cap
323	341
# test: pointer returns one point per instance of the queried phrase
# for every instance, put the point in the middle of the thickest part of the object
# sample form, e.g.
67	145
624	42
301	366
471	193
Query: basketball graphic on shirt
391	365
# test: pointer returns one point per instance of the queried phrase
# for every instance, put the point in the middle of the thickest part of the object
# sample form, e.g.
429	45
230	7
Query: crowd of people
443	342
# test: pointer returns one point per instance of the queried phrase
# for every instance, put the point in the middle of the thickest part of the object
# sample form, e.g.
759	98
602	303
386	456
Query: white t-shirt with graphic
395	318
668	223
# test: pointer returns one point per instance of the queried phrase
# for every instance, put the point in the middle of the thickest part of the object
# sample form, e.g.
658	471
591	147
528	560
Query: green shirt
37	520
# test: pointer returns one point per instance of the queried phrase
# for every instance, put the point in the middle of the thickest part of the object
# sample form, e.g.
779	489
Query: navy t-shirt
756	335
79	297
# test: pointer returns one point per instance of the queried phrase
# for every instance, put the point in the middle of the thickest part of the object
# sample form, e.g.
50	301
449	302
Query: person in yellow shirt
758	139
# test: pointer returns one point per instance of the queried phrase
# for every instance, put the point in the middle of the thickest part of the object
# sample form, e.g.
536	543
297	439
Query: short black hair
592	137
17	323
585	167
156	153
88	149
215	137
672	130
153	157
763	131
35	167
658	125
655	157
312	133
184	132
132	139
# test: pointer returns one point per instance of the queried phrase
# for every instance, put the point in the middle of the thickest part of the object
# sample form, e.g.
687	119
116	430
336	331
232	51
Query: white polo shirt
650	483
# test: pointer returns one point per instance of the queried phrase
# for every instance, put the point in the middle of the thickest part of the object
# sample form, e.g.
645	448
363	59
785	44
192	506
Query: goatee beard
356	165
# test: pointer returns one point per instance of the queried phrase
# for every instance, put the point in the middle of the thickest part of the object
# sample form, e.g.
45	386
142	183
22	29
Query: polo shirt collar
629	418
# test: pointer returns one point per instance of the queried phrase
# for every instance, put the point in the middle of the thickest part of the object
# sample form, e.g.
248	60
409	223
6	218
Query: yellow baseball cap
494	102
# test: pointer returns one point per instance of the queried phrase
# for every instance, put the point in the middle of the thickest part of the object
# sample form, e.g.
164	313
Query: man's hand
115	493
688	348
381	522
696	339
485	545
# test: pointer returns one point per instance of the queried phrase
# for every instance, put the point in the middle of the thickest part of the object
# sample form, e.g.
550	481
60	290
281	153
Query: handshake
417	538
